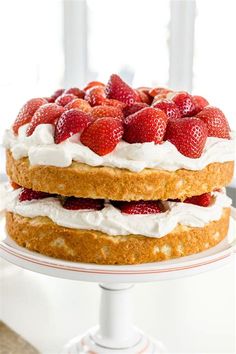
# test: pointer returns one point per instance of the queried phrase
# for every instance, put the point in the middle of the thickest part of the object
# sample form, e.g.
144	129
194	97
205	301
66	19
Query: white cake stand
115	333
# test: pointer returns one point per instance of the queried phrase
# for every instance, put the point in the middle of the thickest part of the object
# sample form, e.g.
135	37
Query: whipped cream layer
112	221
41	150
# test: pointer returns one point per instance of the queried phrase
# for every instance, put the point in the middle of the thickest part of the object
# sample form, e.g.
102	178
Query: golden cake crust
81	180
40	234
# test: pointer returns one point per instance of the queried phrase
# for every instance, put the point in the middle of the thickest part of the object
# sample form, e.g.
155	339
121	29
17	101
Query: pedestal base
86	344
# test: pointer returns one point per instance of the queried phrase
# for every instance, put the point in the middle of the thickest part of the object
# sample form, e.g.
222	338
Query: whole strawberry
70	123
29	194
203	200
140	207
93	84
146	125
107	111
185	103
95	96
159	91
102	135
64	99
76	92
117	89
217	124
80	104
199	102
73	203
188	135
54	96
169	107
46	114
27	111
137	106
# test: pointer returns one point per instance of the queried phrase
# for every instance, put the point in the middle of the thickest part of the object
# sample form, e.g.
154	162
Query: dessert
116	175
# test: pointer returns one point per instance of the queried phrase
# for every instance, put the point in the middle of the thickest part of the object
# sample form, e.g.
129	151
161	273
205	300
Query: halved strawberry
76	92
217	124
27	111
188	134
137	106
95	95
64	99
148	124
102	135
159	91
185	103
29	194
199	102
140	207
107	111
46	114
80	104
93	84
203	200
169	107
117	89
70	123
73	203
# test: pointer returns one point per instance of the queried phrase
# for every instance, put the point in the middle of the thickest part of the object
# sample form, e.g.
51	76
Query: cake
110	174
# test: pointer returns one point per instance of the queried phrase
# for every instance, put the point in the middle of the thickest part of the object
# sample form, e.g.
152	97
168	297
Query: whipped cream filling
41	150
112	221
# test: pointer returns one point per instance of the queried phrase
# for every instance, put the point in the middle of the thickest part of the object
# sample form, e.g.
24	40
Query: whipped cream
112	221
41	150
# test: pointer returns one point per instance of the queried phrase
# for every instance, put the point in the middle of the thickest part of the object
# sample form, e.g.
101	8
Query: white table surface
192	315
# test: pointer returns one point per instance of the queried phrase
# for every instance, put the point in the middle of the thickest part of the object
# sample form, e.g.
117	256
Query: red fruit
146	125
107	111
203	200
216	122
158	91
76	92
46	114
137	106
93	84
140	207
95	95
27	111
102	135
185	103
79	104
144	97
169	107
188	135
29	194
200	102
113	103
70	123
64	99
15	185
73	203
116	88
56	94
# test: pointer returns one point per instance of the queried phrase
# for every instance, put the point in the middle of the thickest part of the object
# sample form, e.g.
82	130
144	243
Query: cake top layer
101	117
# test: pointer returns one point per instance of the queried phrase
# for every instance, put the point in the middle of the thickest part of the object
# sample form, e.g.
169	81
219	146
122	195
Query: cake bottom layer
41	235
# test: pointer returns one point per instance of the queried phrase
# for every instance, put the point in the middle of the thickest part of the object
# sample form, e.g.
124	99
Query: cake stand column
115	333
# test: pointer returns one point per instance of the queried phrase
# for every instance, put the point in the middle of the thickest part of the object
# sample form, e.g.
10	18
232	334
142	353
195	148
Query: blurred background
184	44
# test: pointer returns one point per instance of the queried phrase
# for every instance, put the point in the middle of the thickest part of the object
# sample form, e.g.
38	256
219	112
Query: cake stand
115	333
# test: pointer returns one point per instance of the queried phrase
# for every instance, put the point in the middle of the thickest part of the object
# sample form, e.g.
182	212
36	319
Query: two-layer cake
115	175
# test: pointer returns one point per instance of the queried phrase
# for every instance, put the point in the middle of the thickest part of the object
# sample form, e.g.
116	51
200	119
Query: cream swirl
112	221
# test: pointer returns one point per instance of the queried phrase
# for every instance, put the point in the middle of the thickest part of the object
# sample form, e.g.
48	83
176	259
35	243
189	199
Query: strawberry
15	185
137	106
216	122
102	135
64	99
54	96
199	102
203	200
140	207
95	95
188	135
80	104
70	123
113	103
144	97
93	84
76	92
158	91
29	194
116	88
46	114
107	111
169	107
73	203
185	103
27	111
148	124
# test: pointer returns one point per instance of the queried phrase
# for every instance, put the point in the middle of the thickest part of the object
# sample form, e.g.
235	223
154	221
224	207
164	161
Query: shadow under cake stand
115	333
